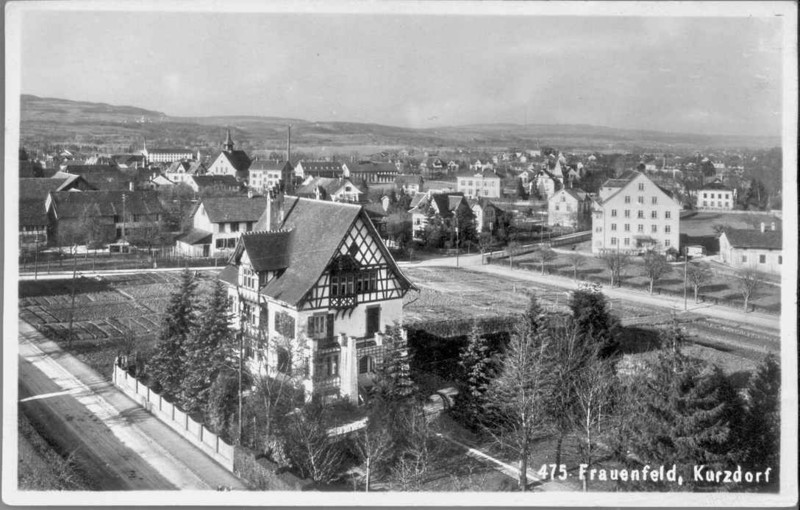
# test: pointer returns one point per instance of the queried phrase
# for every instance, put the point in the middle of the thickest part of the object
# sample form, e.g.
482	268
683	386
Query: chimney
289	143
772	226
763	227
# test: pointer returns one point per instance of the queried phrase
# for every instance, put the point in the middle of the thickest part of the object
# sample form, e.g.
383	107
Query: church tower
228	145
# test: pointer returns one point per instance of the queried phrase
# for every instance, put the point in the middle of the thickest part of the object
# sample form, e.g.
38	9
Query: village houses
314	290
483	184
444	205
715	196
231	161
633	214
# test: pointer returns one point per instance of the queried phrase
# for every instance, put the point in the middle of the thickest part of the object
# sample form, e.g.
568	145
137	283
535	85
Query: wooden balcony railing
347	301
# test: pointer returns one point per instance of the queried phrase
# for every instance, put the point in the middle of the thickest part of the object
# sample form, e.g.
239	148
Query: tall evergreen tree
167	366
594	321
207	350
477	369
761	431
393	381
683	412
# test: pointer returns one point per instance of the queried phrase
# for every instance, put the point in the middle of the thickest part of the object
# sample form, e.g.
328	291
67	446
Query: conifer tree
208	350
167	366
683	412
476	364
594	321
393	382
761	432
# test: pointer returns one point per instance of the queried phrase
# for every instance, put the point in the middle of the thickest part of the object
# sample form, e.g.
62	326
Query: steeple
228	145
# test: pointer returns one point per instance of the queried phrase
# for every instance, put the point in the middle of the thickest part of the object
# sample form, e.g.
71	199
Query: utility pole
685	271
457	248
124	199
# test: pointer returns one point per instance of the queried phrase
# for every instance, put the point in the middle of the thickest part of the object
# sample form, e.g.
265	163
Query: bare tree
616	262
520	394
698	274
655	267
749	280
544	256
512	248
577	261
374	444
315	454
73	234
418	450
592	412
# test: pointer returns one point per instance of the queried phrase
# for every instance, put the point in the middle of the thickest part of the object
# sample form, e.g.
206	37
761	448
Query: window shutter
329	325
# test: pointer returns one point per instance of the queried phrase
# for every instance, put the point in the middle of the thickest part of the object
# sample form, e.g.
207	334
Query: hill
116	128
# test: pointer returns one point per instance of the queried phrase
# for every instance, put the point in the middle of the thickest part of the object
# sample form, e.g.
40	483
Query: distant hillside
114	128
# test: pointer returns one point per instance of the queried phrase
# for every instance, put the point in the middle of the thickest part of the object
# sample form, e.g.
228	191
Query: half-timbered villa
314	295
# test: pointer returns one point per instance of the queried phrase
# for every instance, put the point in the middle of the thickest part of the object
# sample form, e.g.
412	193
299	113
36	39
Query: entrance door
205	249
373	320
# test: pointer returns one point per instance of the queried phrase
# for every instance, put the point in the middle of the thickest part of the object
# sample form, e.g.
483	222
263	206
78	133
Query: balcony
343	302
326	383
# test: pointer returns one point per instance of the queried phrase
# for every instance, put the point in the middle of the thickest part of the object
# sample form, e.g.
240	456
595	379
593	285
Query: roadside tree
544	256
748	282
698	274
616	262
655	267
577	261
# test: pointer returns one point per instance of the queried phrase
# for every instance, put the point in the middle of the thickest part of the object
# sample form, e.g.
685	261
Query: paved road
118	442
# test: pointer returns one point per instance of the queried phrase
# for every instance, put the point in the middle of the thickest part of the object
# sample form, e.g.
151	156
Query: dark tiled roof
330	186
238	160
447	203
196	236
215	181
31	188
318	167
170	151
755	239
32	213
268	251
408	179
622	180
72	204
229	209
372	167
716	185
268	164
105	177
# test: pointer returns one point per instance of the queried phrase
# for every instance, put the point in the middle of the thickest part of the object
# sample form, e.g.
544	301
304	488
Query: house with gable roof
480	184
217	223
270	174
633	214
231	161
570	207
305	169
314	289
443	205
753	248
33	218
715	196
325	188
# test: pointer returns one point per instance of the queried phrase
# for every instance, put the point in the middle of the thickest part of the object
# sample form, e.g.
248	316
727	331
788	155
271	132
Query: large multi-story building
314	291
633	214
269	175
168	155
715	196
483	184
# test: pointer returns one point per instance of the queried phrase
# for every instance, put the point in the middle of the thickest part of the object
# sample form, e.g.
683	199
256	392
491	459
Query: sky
694	75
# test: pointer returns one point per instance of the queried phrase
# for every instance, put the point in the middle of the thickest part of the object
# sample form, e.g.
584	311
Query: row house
330	169
218	222
484	184
168	155
633	214
715	196
752	248
105	216
314	291
266	175
570	207
370	172
231	161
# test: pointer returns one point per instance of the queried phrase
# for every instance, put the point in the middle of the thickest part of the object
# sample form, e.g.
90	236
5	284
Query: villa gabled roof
72	204
301	249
